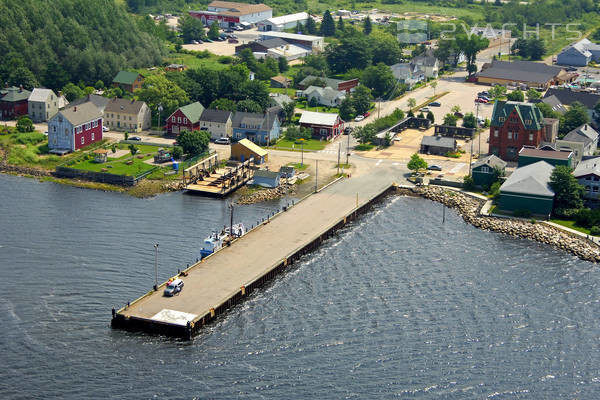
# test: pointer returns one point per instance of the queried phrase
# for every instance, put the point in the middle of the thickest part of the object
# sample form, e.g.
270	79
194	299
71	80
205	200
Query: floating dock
208	178
225	278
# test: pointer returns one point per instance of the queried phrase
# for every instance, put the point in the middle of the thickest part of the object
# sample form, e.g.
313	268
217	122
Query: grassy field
298	166
124	165
289	91
571	224
311	144
301	104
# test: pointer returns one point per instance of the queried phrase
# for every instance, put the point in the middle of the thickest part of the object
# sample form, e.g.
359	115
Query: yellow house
127	115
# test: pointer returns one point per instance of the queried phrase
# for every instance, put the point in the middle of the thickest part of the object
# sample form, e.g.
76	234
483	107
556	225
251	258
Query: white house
217	122
325	96
42	104
588	175
283	22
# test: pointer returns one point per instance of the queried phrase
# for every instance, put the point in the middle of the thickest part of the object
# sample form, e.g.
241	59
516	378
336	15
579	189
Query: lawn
117	167
289	91
301	104
364	147
571	224
298	166
311	144
206	60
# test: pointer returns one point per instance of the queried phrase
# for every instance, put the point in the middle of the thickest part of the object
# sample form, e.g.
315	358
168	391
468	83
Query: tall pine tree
367	27
340	24
311	26
327	25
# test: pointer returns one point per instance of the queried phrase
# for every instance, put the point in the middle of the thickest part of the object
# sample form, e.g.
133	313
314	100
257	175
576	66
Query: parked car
173	287
366	114
484	93
220	38
348	130
105	129
571	69
434	168
359	118
480	100
485	98
458	114
228	30
207	40
424	109
238	28
136	138
223	140
194	42
232	40
435	104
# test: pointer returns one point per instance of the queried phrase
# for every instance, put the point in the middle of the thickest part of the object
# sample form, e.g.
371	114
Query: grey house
268	179
584	134
438	145
408	74
325	96
588	175
528	188
42	105
579	54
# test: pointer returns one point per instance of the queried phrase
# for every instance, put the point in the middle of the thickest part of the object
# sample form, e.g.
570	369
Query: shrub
495	190
225	60
595	230
522	213
30	138
177	152
468	182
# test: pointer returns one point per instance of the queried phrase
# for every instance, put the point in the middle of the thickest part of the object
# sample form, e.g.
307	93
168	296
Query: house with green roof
186	118
128	81
528	188
13	102
514	125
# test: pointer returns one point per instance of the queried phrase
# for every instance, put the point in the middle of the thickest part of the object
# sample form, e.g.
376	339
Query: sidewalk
593	239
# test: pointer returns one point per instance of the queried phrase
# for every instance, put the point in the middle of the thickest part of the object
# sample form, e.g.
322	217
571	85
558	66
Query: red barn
74	128
186	118
325	126
514	125
14	102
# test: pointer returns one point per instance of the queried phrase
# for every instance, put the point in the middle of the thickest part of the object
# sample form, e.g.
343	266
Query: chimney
20	88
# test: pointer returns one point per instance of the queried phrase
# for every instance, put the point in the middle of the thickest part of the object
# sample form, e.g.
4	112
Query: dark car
136	138
434	168
232	40
571	69
228	30
435	104
348	130
484	93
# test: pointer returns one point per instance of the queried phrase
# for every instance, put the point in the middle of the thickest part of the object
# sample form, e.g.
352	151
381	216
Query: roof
568	97
531	116
521	71
14	94
550	154
294	36
81	114
257	121
427	61
584	46
280	99
176	66
192	111
126	77
326	93
263	173
286	169
41	95
286	19
585	134
333	83
281	79
531	179
98	101
233	8
587	167
124	106
492	161
555	104
271	43
318	118
253	147
220	116
439	141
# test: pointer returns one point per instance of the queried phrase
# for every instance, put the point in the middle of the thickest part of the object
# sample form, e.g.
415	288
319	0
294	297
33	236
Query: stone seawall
20	170
469	208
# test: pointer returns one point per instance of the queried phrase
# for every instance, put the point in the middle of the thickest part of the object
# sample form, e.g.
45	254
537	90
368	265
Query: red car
232	40
366	114
480	100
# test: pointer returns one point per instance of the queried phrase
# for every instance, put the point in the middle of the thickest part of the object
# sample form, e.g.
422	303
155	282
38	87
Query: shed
528	188
438	145
287	172
483	170
265	178
100	156
245	149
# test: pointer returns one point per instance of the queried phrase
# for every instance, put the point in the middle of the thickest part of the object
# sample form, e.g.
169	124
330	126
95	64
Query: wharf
226	277
209	179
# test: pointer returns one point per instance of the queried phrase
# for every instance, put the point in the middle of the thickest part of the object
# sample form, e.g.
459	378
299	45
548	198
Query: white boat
215	241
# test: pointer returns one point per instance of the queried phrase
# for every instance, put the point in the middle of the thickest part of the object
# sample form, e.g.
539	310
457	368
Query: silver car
173	288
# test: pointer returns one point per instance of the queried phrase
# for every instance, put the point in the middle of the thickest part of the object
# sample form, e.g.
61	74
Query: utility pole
156	266
348	148
477	127
339	153
231	221
471	157
160	108
378	107
316	176
302	153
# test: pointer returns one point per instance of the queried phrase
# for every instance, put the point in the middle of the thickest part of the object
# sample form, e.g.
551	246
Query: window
528	122
66	132
118	116
531	137
595	189
516	135
588	178
587	188
185	120
596	179
87	126
59	119
130	117
92	136
178	120
485	169
510	135
495	133
501	119
54	129
82	140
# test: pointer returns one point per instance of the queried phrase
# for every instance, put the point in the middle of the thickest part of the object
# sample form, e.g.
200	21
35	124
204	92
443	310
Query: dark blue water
396	306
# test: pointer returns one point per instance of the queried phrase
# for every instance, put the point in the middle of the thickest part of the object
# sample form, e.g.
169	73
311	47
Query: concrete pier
226	277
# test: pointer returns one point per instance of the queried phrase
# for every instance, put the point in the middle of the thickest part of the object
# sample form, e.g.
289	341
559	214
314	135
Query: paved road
212	282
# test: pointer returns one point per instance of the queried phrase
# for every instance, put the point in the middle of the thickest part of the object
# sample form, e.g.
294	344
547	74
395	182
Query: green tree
384	48
194	142
367	26
568	193
294	133
576	116
379	79
282	64
352	51
311	26
364	134
446	48
416	163
288	109
99	85
361	99
433	86
222	104
412	103
327	24
470	45
157	89
430	117
299	27
247	57
547	111
23	76
346	109
177	152
450	119
213	31
72	92
249	106
516	95
497	92
455	108
191	28
469	120
132	149
340	25
313	101
25	124
533	94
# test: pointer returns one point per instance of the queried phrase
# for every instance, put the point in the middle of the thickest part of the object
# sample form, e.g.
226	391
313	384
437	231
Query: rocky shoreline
469	209
266	194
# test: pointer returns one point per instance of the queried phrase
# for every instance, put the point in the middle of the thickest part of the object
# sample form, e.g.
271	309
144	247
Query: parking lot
225	48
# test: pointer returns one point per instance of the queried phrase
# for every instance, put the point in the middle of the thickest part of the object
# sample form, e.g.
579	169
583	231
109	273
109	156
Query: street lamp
156	266
160	108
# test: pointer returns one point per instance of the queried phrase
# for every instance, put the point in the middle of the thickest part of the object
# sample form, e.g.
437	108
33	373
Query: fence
444	182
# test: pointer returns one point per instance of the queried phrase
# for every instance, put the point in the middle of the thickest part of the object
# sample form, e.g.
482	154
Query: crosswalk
331	152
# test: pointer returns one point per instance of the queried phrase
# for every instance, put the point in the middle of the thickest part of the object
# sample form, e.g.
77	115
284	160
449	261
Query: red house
14	102
186	118
514	125
325	126
74	128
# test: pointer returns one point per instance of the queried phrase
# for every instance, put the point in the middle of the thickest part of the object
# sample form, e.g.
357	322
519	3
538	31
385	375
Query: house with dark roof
217	122
280	81
14	102
514	125
336	84
555	104
531	155
128	81
127	115
74	128
587	174
259	128
579	54
483	171
229	13
528	188
584	134
570	96
428	64
407	74
186	118
523	73
438	145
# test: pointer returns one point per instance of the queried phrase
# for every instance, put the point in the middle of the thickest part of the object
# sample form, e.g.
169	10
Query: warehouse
282	23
